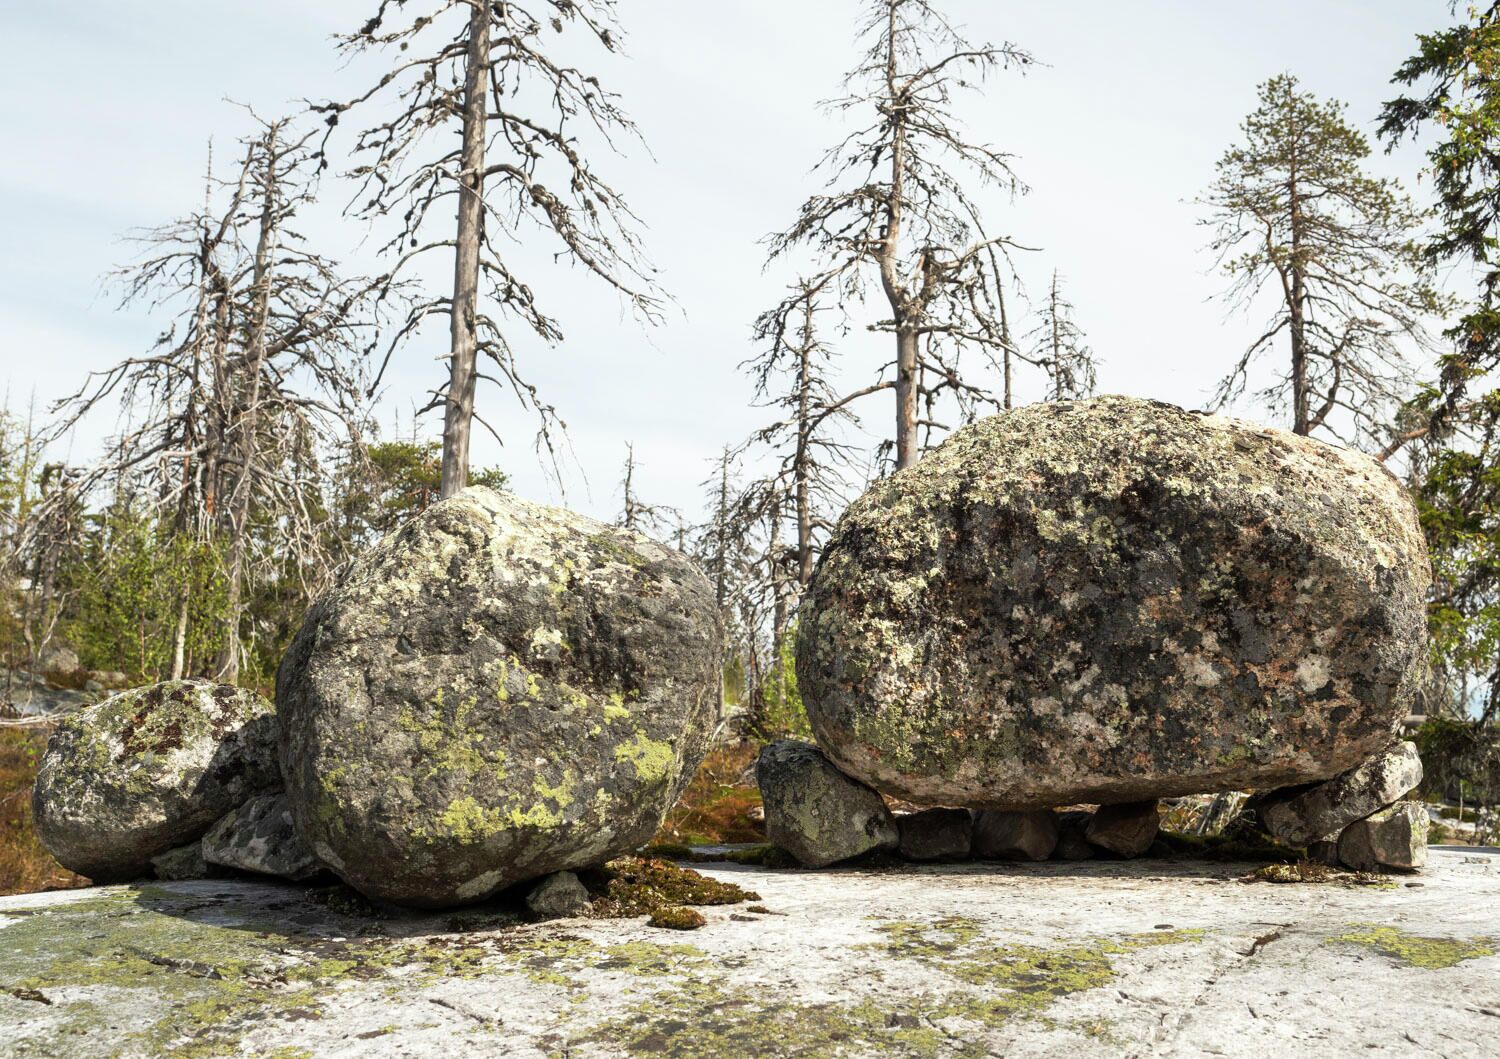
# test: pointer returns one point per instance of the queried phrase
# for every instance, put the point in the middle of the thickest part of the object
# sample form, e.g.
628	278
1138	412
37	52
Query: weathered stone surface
1113	600
259	837
1127	829
936	834
1000	834
1392	838
560	894
1072	836
184	862
498	691
1319	813
148	770
815	812
1085	961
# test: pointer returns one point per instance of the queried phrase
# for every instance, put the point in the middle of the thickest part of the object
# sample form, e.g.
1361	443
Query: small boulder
558	895
1127	829
1000	834
495	692
936	834
1319	813
1072	837
1392	838
259	837
148	770
184	862
815	812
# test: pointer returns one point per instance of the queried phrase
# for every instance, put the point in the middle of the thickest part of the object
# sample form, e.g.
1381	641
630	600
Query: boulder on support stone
1318	813
1392	838
1127	829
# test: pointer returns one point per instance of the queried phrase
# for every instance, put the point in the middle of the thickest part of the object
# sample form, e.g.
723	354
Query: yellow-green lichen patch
1416	950
654	761
449	740
699	1019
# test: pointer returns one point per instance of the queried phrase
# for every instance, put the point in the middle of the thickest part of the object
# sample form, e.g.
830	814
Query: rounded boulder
498	691
1115	600
148	770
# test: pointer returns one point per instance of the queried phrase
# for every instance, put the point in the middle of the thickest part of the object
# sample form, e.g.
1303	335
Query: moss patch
638	886
1416	950
676	917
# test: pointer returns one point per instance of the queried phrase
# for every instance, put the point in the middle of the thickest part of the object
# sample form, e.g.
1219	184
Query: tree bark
458	417
1300	401
800	469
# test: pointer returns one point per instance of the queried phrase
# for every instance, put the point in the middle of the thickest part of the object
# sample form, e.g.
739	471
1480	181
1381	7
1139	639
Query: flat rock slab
1097	959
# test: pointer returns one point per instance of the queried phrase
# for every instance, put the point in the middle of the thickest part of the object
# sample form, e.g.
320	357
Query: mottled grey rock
259	837
559	894
936	834
184	862
1326	852
148	770
57	658
815	812
1392	838
1114	600
1000	834
1319	813
1072	836
1127	829
496	692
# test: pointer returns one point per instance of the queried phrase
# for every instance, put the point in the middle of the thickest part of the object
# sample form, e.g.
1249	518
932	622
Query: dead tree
897	212
512	112
1057	347
635	514
225	420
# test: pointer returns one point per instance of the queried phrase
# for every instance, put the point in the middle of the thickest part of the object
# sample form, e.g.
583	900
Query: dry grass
25	867
716	806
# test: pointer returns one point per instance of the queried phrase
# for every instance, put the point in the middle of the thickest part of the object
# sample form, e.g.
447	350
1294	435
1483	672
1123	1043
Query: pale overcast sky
106	110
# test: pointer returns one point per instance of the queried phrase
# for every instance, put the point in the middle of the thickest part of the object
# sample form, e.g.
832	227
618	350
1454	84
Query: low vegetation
25	867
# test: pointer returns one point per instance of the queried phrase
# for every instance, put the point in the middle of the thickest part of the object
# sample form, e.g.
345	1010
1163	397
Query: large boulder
1115	600
499	691
148	770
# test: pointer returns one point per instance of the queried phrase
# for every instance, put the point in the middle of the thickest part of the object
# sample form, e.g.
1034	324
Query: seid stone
815	812
1072	836
184	862
1318	813
148	770
936	834
259	837
1392	838
1000	834
1127	829
1114	600
560	894
496	692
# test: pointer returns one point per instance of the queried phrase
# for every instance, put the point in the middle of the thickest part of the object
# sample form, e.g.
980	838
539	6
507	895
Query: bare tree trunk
1005	343
906	398
179	640
1300	402
800	469
246	423
458	418
890	257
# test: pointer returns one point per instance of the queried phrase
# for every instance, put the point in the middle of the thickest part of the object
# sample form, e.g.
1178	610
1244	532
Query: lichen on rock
148	770
498	691
1115	600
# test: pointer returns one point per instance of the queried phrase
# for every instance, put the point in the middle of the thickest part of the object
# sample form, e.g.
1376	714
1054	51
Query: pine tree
1294	213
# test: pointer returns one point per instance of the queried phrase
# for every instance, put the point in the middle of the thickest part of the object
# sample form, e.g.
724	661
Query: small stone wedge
1318	814
815	812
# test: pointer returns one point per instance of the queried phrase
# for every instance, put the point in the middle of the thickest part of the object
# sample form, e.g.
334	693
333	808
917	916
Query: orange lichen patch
25	866
717	805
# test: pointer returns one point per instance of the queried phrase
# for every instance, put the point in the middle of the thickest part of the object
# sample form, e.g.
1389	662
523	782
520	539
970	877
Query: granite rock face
498	691
815	812
1319	813
148	770
1115	600
1392	838
560	894
259	837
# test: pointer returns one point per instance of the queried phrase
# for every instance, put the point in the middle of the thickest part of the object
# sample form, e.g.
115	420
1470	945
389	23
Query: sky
107	111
